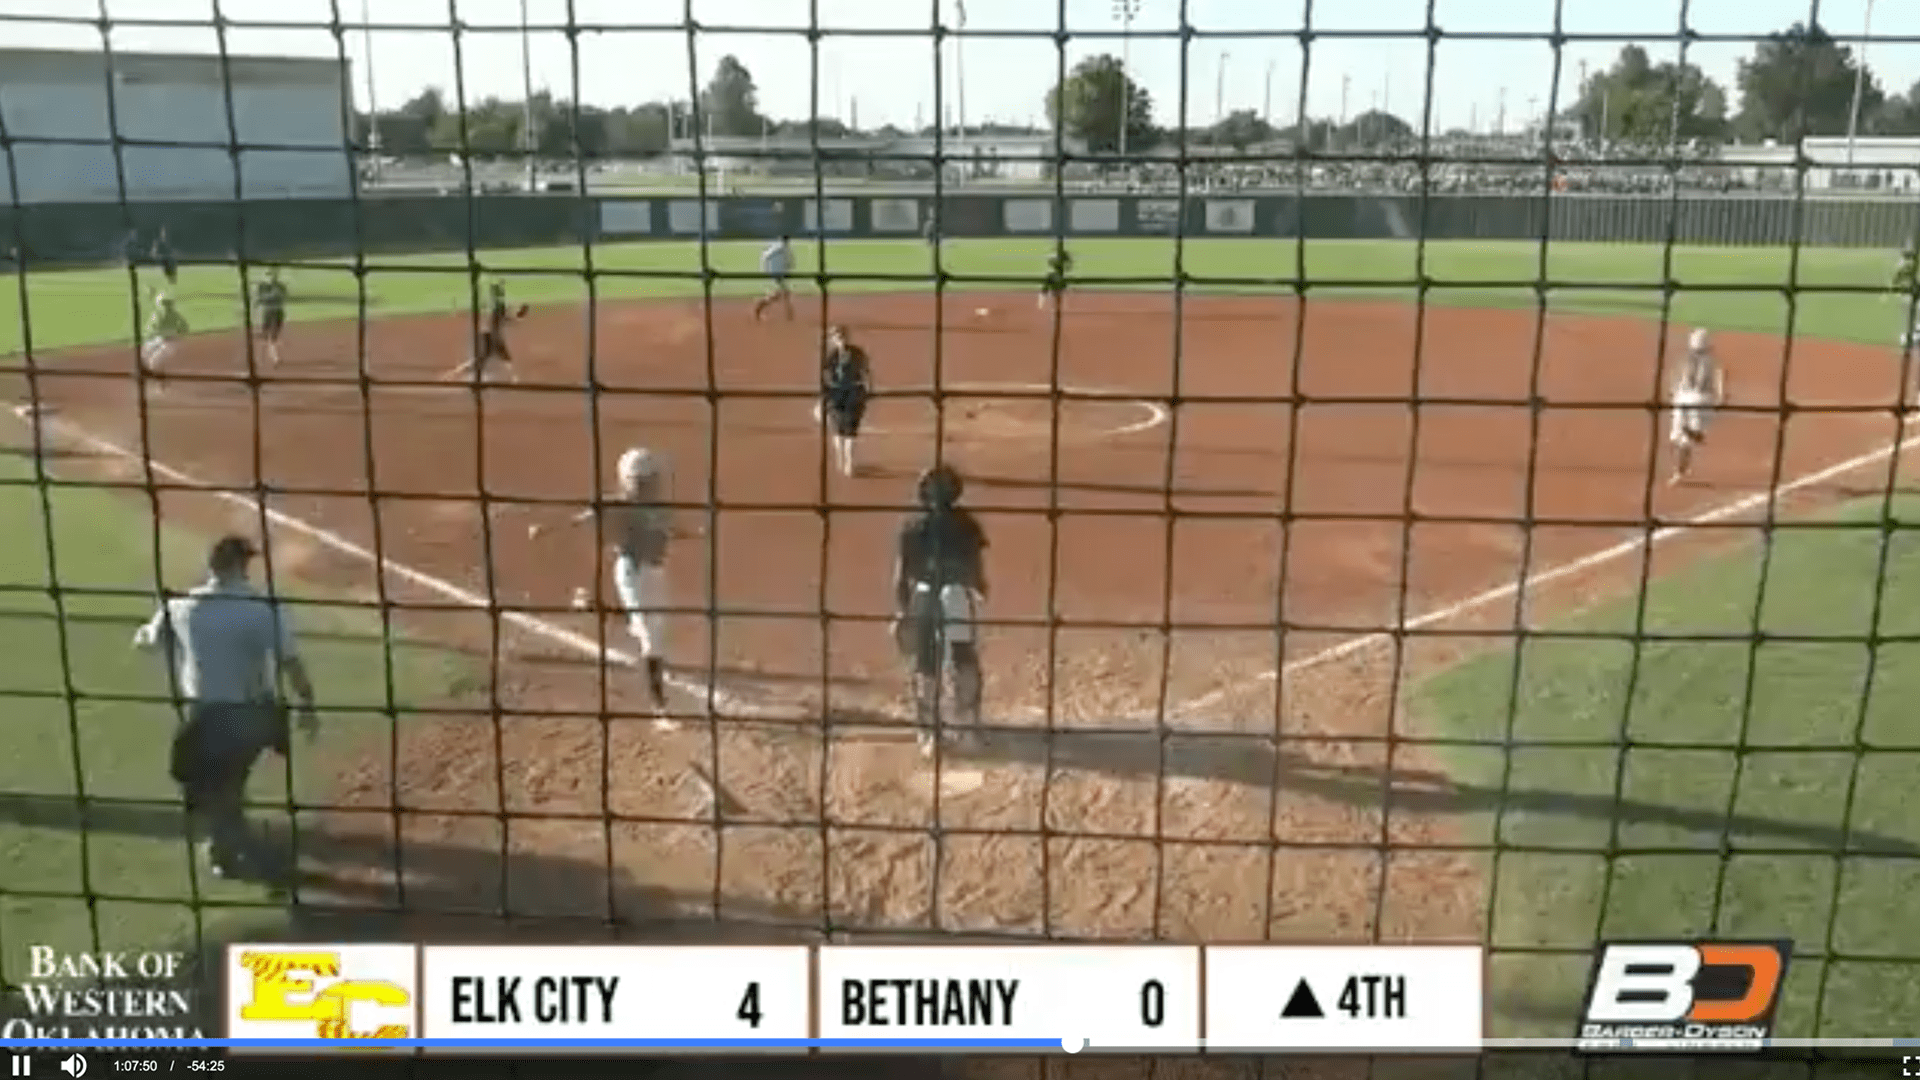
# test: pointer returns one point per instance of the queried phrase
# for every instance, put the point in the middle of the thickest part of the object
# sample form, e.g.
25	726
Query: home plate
961	781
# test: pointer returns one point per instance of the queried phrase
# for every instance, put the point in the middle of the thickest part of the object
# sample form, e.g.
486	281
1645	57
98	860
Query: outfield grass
1728	288
1786	753
118	874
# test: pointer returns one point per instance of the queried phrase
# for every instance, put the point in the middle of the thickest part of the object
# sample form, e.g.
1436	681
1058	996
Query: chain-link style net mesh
1340	589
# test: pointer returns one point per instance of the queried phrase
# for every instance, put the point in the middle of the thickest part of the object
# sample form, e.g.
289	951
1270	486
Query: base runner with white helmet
1702	387
637	526
939	584
163	329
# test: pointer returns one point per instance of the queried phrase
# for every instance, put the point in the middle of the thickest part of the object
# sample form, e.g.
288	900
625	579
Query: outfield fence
54	235
245	235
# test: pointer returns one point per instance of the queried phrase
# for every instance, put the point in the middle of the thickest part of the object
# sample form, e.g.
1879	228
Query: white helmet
1699	340
635	465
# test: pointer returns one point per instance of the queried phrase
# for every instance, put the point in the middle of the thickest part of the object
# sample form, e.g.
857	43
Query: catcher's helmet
939	487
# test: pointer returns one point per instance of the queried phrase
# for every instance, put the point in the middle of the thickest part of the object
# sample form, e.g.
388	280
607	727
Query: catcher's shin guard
967	682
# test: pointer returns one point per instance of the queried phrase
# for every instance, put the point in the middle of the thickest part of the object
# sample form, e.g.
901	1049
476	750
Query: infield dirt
1255	463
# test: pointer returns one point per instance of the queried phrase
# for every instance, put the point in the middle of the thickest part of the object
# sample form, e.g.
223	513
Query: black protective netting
1413	642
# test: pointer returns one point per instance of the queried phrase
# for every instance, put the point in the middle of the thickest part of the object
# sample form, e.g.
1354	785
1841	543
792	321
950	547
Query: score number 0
1153	1003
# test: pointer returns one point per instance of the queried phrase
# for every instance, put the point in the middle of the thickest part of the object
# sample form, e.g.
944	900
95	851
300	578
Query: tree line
1797	82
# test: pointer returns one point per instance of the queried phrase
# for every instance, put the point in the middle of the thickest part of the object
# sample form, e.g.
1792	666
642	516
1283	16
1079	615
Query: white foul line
1528	582
326	537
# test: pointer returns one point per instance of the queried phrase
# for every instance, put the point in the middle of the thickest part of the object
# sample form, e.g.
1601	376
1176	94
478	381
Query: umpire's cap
231	552
939	488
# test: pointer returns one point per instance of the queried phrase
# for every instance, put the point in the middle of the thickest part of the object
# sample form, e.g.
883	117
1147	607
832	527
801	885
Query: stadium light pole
373	105
1125	10
960	64
1220	88
526	93
1859	85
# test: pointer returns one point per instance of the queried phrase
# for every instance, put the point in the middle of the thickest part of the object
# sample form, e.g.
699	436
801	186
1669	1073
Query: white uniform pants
643	593
155	352
957	609
1691	411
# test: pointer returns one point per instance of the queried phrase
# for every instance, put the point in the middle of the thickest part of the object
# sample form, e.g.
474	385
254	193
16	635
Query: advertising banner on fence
1095	215
1158	215
1230	215
683	215
626	217
1028	215
895	215
839	216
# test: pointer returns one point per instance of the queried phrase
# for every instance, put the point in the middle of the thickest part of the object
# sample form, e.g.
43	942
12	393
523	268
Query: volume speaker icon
74	1065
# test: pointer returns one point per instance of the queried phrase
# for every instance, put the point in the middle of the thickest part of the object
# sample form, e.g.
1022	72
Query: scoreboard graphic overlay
1024	998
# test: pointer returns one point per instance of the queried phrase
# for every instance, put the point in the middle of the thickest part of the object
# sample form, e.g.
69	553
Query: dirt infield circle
988	410
1304	490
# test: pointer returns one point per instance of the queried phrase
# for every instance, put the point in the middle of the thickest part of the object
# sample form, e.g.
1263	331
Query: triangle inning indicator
1302	1005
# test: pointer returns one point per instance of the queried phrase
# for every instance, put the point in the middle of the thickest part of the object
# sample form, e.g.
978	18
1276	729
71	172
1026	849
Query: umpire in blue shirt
228	646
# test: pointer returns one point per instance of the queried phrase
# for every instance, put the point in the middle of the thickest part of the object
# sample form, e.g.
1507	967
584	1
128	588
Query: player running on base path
939	584
1055	283
270	297
165	327
638	527
492	346
1702	387
776	263
846	383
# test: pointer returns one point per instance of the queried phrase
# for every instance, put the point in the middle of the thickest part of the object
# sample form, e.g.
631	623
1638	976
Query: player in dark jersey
939	583
163	256
1055	283
1905	270
846	382
493	338
270	297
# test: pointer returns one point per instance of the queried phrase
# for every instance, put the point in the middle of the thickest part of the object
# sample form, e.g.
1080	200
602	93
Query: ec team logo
346	992
1668	995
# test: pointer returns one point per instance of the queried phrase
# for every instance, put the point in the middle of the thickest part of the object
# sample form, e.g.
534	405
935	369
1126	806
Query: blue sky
891	78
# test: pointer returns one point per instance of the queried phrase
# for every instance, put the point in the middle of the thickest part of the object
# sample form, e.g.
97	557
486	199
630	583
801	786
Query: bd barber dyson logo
1666	991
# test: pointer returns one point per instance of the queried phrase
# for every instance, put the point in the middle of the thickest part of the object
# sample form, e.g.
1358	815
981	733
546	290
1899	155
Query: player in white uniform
1910	359
166	325
776	262
637	527
1701	389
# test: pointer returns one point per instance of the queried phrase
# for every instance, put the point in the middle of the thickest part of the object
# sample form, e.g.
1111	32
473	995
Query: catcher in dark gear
939	582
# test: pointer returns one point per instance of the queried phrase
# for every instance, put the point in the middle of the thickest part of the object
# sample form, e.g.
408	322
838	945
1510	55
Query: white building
1833	164
986	157
994	157
292	107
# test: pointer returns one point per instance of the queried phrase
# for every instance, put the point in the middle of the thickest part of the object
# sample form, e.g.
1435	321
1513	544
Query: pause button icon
22	1065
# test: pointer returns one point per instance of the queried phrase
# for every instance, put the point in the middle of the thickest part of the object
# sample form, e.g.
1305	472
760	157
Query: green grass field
1788	759
1729	288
